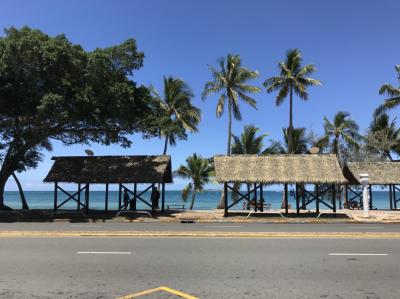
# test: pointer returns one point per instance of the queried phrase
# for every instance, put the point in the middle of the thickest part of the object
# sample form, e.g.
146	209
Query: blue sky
354	45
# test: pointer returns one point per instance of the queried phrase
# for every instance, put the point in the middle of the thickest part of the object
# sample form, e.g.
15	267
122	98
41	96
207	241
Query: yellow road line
200	234
162	288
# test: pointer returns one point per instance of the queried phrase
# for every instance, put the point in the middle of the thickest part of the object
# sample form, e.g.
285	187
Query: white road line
365	227
360	254
223	226
104	252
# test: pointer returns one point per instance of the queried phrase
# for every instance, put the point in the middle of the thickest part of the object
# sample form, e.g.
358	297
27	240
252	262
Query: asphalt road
205	268
240	227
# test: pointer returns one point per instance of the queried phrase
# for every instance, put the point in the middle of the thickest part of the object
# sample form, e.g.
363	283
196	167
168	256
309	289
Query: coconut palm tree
393	94
199	171
293	77
247	144
176	107
230	82
341	133
299	143
384	137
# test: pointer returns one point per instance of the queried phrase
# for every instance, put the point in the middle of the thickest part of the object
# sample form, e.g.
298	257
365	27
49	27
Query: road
110	267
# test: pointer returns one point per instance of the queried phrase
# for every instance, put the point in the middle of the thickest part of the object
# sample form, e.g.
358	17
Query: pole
106	203
364	178
163	197
79	197
134	196
87	197
394	197
317	198
55	195
119	196
226	199
286	199
334	198
255	197
261	198
390	197
370	197
297	200
153	203
346	197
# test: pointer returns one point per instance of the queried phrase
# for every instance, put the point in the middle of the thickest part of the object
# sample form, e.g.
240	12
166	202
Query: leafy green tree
180	115
340	134
392	92
384	137
199	171
293	77
299	143
51	89
230	81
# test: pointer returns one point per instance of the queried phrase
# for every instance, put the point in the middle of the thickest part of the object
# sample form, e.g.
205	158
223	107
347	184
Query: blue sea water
206	200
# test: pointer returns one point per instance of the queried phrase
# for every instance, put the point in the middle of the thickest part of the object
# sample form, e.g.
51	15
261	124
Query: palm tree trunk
221	204
21	193
166	145
193	198
290	133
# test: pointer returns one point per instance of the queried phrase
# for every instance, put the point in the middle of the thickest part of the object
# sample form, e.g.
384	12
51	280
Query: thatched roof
111	169
380	173
278	169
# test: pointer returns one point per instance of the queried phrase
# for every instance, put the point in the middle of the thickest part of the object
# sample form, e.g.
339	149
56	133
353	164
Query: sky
354	45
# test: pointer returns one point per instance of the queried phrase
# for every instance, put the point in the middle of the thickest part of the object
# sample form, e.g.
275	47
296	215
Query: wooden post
106	203
286	199
297	200
334	198
255	197
79	197
370	197
55	196
134	196
262	198
346	197
163	197
87	197
394	197
119	196
390	197
226	199
317	199
153	203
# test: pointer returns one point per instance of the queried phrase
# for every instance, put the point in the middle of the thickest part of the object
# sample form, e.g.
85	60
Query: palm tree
292	78
339	134
176	107
392	92
384	137
247	144
230	81
299	143
198	170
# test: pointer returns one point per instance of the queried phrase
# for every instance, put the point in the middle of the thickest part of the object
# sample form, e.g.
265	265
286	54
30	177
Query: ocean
206	200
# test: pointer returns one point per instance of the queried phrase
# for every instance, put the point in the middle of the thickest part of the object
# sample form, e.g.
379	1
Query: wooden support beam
334	198
106	200
390	197
87	197
134	197
226	199
297	199
394	197
286	199
255	197
261	198
78	208
163	197
370	197
346	197
55	195
317	199
153	202
119	196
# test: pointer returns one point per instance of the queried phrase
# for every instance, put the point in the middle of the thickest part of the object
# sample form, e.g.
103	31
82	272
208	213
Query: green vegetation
292	78
198	171
230	81
51	89
177	111
392	92
299	143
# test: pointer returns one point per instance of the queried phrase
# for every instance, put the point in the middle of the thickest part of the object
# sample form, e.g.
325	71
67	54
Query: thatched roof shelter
380	173
279	169
111	169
